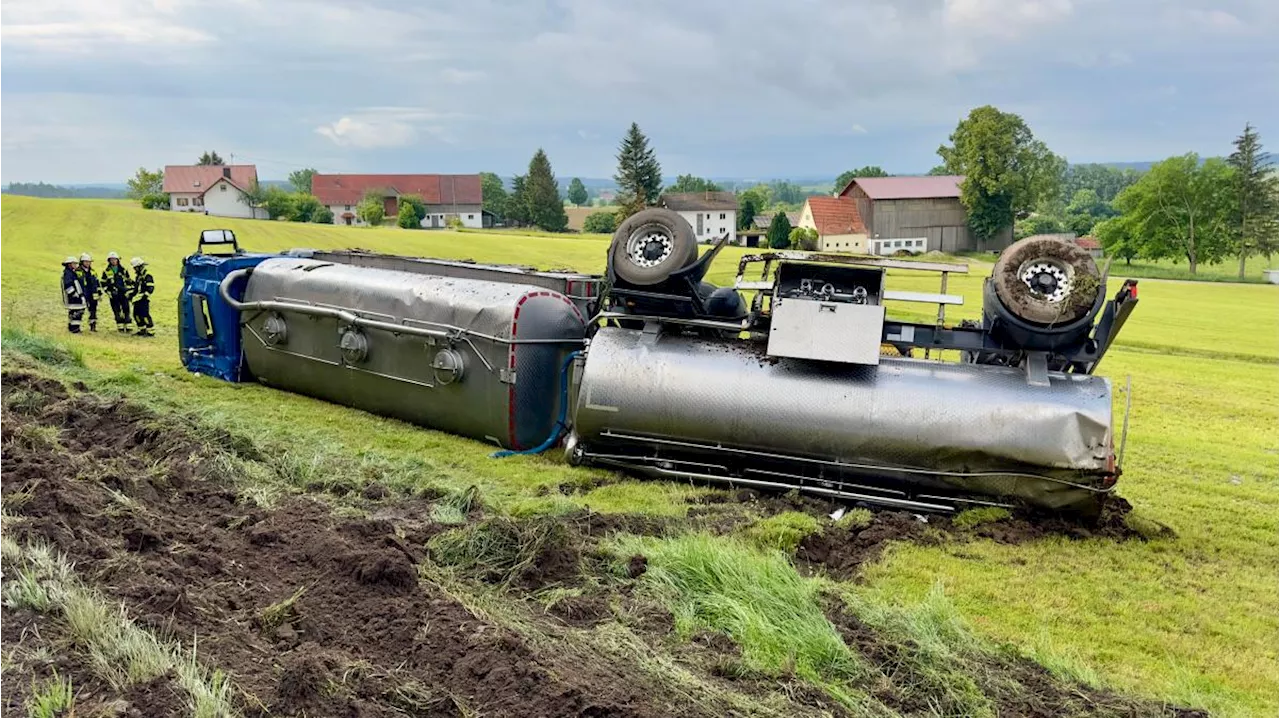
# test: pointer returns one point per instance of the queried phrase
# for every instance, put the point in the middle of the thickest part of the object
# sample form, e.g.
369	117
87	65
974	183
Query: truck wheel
650	245
1044	280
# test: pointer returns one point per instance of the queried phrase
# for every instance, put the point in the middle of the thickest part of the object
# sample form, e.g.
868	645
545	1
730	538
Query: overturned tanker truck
792	378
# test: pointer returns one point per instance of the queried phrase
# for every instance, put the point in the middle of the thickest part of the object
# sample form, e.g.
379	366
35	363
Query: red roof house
211	189
835	215
444	195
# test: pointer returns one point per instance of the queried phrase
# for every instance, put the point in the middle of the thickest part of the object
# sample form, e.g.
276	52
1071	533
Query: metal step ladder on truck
795	377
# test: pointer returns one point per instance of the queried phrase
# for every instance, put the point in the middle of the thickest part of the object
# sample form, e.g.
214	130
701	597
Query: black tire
1067	281
650	245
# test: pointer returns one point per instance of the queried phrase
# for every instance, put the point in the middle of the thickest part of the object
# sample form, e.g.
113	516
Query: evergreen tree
546	211
516	208
639	175
1255	193
748	208
577	192
210	158
779	234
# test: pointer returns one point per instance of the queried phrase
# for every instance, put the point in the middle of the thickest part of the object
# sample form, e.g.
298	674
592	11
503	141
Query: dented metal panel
934	425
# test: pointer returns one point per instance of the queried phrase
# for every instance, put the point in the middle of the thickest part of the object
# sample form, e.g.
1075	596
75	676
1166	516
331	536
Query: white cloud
858	130
1009	19
83	27
1217	20
376	127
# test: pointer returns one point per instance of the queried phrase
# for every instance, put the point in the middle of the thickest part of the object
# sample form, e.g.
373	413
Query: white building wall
709	226
222	199
433	220
341	209
854	243
185	202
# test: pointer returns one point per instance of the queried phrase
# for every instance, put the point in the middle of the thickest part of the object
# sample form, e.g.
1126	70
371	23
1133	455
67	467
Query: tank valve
354	346
275	331
447	366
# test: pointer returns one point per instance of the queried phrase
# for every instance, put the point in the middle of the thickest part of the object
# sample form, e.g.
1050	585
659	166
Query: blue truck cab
208	327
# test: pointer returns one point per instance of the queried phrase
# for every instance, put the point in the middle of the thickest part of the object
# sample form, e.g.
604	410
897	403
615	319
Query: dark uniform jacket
72	289
143	284
89	282
115	279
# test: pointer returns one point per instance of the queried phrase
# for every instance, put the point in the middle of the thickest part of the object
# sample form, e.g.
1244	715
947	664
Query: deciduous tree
546	211
279	203
371	210
639	175
406	218
324	215
493	193
1181	207
848	176
601	222
689	183
305	207
145	183
301	180
1006	169
417	203
577	192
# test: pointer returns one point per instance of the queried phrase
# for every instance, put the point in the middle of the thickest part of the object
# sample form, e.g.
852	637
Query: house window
471	216
346	208
182	201
222	188
897	244
722	215
198	201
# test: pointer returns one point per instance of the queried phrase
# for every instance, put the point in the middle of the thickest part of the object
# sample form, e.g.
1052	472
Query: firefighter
117	282
72	294
143	286
92	289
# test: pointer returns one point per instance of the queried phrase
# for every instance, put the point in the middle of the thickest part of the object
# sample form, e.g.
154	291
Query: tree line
41	189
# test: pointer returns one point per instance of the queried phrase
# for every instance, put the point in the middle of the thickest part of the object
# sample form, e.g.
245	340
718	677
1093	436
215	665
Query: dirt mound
308	613
841	551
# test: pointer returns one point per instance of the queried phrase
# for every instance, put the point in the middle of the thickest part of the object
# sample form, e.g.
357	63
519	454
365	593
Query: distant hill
40	189
1269	158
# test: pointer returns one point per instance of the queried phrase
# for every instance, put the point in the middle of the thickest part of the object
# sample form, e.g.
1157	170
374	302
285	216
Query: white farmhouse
711	214
211	189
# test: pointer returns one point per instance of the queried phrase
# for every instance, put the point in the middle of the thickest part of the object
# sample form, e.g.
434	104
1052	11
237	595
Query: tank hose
560	426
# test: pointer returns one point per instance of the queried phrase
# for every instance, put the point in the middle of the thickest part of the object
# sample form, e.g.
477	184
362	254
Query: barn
899	212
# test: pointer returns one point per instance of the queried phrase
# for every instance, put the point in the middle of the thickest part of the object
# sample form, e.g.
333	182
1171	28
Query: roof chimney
226	172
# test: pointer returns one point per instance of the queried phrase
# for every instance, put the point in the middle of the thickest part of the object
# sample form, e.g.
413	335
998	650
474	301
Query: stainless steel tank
471	357
677	405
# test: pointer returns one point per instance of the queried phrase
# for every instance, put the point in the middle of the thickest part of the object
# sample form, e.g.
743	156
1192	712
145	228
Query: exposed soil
842	551
313	613
133	501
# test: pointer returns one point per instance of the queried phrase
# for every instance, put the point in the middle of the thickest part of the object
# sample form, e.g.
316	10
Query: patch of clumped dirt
1015	686
134	503
842	551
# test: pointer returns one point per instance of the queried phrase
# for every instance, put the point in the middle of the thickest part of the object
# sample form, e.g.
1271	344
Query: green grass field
1190	619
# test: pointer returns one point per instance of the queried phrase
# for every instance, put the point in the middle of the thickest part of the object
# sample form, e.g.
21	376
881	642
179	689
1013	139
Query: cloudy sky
91	89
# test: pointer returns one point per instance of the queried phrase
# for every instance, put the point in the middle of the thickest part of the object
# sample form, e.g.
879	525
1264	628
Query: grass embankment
1192	619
